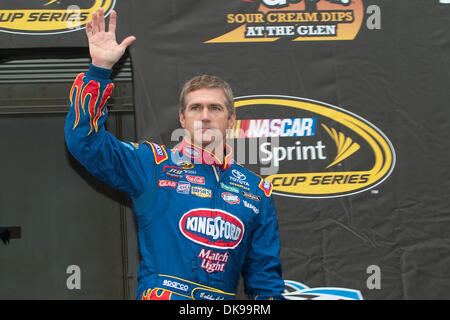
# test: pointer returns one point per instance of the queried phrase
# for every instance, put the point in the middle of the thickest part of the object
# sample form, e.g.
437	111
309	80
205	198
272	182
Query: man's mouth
203	129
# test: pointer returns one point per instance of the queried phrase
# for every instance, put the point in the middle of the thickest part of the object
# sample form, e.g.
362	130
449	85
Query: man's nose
205	115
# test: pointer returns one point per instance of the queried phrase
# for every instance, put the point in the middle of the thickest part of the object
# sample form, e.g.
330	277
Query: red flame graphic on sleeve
91	90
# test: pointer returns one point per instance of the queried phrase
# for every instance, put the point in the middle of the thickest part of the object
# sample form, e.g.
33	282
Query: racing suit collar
200	155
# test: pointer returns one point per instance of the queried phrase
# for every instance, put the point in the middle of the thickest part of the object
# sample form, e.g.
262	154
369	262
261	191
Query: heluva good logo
297	20
212	228
49	16
312	149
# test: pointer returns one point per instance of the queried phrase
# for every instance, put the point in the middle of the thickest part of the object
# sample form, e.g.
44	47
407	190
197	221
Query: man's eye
195	107
216	108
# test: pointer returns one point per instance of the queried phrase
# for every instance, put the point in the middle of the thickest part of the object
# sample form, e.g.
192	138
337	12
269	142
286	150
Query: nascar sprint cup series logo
297	20
310	149
49	16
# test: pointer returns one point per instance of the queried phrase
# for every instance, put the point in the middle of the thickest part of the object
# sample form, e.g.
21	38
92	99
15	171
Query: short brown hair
207	81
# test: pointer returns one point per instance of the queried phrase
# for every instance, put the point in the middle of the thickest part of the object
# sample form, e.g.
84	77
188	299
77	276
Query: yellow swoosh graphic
345	145
50	2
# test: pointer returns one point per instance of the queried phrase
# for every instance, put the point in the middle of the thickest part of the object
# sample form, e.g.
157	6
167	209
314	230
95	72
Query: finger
112	22
101	20
89	29
94	23
127	41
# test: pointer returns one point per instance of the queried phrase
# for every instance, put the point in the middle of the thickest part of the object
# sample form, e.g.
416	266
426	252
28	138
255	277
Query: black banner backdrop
357	91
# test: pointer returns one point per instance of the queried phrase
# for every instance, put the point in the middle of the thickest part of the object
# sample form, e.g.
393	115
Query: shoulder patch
159	152
266	186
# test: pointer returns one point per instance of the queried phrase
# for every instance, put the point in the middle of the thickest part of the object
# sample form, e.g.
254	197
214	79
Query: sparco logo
49	16
333	152
213	228
296	20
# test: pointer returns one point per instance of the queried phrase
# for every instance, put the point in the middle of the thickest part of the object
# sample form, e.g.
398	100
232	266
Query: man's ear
231	120
181	116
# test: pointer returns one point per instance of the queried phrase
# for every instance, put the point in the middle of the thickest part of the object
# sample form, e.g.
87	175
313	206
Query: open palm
103	46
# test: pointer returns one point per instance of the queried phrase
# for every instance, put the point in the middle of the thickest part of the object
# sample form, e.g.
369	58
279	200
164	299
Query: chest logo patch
212	228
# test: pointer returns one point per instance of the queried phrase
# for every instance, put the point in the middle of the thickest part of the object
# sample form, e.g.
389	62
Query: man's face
206	117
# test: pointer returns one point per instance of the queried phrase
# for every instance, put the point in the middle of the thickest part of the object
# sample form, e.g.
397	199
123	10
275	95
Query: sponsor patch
158	151
183	187
167	183
239	175
213	228
195	179
186	165
240	186
201	192
251	206
173	172
266	186
239	179
230	198
251	196
175	285
229	188
213	261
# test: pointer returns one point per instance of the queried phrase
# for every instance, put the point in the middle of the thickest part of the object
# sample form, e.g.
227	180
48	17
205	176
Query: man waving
202	218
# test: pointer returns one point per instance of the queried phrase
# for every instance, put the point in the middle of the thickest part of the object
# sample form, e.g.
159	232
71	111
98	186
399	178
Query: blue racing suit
201	221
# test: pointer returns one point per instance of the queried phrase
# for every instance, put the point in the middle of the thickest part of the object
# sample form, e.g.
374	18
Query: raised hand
103	47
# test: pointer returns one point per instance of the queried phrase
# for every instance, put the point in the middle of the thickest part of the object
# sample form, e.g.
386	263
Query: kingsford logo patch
212	228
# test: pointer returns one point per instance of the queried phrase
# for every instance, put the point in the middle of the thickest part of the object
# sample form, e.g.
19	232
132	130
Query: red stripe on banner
244	127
